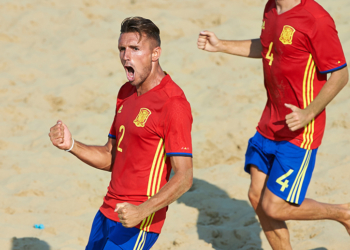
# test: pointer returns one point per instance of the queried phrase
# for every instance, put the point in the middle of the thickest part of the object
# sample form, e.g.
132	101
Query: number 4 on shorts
284	184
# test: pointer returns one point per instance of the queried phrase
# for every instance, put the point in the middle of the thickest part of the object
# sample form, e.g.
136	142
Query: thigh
258	179
100	229
131	238
291	172
257	156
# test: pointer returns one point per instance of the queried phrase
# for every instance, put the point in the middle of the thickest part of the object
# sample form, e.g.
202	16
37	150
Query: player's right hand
60	136
208	41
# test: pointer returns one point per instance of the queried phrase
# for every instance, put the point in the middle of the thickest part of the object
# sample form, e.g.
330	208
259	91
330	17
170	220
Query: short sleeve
125	91
177	125
112	132
325	46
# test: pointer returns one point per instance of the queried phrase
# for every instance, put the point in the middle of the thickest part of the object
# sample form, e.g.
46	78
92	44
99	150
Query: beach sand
59	60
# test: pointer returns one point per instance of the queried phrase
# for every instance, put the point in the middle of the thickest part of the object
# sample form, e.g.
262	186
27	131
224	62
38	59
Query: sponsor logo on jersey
120	109
287	34
142	117
263	25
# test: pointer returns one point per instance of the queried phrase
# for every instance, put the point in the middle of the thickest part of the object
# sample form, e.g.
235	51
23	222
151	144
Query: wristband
71	146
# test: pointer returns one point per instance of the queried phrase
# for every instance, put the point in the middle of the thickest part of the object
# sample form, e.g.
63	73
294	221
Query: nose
126	54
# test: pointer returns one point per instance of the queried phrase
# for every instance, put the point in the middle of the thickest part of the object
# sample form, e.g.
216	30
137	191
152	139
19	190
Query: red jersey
300	47
148	130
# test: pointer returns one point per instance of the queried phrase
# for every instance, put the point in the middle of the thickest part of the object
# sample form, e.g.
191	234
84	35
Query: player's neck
285	5
153	80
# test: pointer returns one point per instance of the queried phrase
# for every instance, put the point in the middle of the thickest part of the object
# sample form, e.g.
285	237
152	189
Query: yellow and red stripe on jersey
153	188
308	97
154	180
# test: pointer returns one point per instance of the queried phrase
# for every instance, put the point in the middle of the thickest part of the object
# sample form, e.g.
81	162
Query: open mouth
130	73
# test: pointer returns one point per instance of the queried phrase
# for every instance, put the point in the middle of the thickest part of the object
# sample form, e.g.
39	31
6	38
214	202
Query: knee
272	209
254	198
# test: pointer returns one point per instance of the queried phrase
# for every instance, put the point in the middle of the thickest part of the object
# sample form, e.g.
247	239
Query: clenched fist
298	119
208	41
129	214
60	136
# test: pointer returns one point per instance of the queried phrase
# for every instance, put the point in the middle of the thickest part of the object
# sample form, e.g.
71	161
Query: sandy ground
59	59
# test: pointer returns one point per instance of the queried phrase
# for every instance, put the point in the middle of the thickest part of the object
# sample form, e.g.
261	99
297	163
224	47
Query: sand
59	60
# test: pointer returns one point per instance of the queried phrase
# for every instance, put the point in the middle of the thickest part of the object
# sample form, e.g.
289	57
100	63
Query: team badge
263	25
120	109
287	34
142	117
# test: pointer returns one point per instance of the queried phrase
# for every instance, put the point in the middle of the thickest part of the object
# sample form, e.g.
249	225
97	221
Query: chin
137	81
134	83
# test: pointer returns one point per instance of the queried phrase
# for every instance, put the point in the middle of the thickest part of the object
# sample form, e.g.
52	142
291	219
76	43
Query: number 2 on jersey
284	184
121	129
269	55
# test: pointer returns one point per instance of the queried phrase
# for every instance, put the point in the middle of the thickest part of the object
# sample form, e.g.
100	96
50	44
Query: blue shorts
288	166
107	234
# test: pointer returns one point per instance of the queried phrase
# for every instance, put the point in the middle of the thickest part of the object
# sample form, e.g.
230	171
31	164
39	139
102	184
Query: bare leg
277	208
275	230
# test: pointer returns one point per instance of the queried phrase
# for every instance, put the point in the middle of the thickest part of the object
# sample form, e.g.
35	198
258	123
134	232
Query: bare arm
247	48
299	118
101	157
131	215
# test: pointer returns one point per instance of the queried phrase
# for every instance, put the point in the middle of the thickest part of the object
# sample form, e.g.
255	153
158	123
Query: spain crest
142	117
287	34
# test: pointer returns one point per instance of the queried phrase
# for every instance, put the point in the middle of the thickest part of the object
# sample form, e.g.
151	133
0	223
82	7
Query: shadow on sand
29	243
224	222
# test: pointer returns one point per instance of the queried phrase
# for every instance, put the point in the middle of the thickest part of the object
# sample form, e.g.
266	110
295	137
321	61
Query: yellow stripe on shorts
302	178
301	174
140	236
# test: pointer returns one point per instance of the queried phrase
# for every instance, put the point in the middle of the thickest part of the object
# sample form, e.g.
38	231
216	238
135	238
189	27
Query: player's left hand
129	214
298	119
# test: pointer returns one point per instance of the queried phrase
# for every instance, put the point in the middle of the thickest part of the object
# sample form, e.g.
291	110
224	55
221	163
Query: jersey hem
137	226
288	139
180	154
335	69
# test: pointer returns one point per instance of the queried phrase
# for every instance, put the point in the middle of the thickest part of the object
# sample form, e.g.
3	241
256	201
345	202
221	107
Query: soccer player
150	135
299	46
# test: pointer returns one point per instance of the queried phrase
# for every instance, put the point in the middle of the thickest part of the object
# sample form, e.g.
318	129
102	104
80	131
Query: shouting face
136	56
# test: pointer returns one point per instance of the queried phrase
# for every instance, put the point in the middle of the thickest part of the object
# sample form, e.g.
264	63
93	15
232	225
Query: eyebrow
130	46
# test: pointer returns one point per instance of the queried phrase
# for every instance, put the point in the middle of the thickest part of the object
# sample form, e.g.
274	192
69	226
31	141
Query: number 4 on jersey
284	184
269	55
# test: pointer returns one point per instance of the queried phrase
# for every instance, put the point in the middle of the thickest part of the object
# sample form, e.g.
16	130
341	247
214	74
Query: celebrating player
150	135
298	45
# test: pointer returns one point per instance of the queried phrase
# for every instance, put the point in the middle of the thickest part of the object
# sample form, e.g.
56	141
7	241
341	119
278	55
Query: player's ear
156	53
